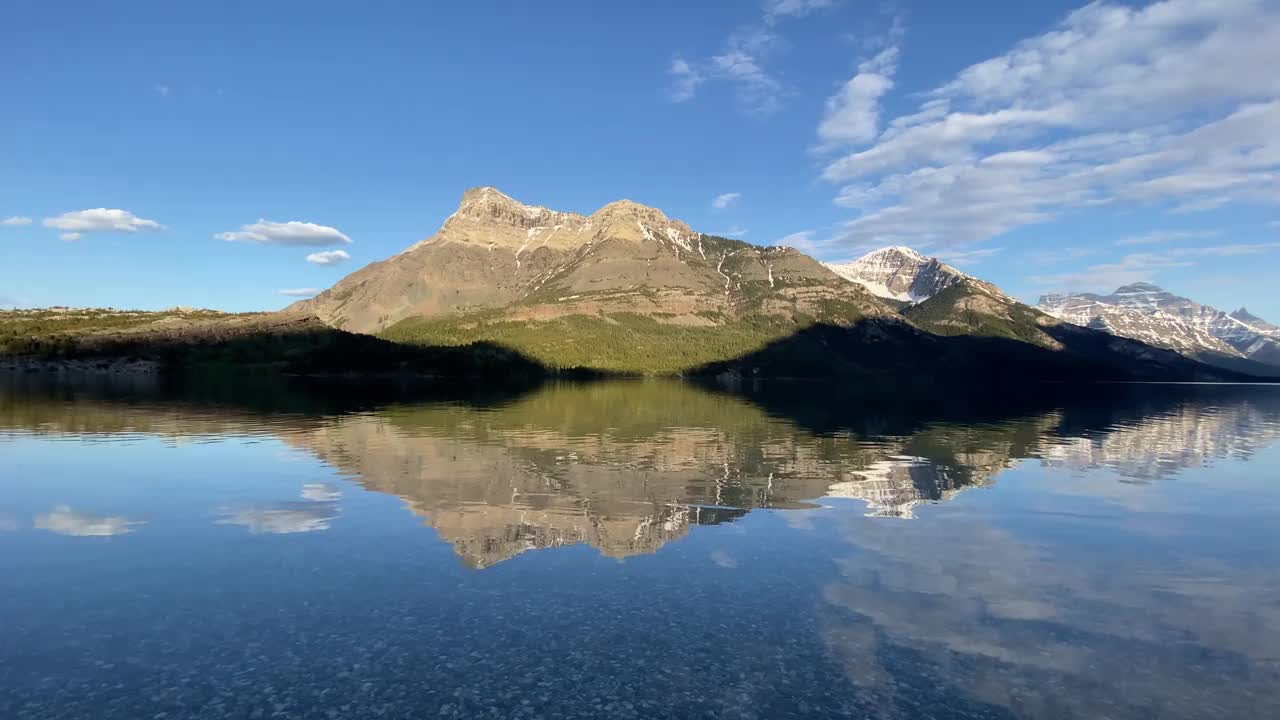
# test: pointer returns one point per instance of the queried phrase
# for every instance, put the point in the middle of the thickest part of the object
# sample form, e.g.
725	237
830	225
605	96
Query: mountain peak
627	207
489	206
487	200
900	273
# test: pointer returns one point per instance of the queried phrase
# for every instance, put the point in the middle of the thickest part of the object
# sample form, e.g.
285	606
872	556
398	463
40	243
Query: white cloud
101	220
16	220
294	232
329	257
853	114
1166	104
298	292
65	521
72	236
725	200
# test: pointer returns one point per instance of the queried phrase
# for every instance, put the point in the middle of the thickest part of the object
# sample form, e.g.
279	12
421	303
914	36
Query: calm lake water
637	549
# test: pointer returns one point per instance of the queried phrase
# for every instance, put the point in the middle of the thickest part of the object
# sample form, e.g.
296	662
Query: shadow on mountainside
896	356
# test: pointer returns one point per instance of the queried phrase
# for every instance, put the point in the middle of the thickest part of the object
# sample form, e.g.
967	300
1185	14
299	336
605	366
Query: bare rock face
538	263
1149	313
900	273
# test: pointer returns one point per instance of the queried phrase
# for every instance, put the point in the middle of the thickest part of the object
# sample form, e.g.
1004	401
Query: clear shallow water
638	550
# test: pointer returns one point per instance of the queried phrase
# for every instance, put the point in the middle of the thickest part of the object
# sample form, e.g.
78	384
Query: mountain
628	289
1151	314
505	289
540	264
901	274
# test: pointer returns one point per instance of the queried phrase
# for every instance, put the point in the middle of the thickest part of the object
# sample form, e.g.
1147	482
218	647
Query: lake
229	548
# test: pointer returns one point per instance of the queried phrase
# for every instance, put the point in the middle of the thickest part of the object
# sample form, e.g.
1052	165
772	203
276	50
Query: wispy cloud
293	232
298	292
1159	237
725	200
1141	267
163	90
100	220
1165	104
742	60
967	257
685	80
733	232
329	257
16	220
72	236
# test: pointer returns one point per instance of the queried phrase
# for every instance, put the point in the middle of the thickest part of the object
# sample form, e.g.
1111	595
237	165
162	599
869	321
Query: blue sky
161	154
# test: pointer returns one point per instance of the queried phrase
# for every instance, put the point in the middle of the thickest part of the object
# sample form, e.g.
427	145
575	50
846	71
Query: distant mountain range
629	290
1146	312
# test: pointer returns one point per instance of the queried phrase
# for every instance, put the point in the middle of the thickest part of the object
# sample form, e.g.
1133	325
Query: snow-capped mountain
900	273
1149	313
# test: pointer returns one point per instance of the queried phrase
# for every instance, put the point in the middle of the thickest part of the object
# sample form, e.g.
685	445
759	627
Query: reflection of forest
628	466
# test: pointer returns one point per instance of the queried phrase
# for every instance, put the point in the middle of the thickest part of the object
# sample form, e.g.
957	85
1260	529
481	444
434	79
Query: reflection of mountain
627	467
895	486
624	467
1156	445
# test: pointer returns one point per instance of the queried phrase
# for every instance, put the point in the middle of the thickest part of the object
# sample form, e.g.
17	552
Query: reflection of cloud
723	559
319	507
8	523
65	521
1051	630
321	492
